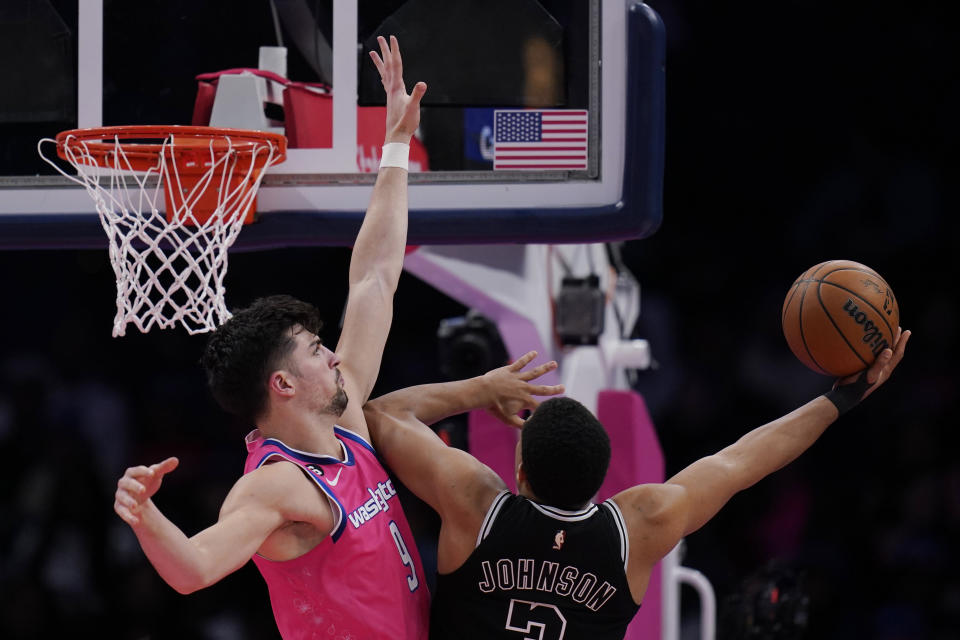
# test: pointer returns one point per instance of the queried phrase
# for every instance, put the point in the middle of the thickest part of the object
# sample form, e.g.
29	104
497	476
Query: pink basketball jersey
365	579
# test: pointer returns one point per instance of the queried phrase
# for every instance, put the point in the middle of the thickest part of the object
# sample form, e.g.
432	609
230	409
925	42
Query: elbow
186	586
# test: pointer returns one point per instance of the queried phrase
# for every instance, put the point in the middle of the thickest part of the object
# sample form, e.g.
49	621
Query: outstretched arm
692	497
255	507
709	483
504	392
377	259
436	473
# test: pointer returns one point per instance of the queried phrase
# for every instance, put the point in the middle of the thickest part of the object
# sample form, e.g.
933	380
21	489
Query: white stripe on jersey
491	515
622	527
563	514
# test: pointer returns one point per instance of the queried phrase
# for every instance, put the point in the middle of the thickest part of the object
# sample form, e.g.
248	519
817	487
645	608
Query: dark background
796	133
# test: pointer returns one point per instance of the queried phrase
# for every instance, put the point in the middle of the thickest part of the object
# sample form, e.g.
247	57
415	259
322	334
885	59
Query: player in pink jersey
370	550
314	509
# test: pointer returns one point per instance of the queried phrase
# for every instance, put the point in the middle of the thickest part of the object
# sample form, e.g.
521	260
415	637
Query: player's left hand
512	392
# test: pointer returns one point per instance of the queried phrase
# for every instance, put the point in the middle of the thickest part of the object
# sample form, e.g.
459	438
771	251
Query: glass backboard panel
38	56
491	67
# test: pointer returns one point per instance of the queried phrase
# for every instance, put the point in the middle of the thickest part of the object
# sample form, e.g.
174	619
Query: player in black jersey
547	562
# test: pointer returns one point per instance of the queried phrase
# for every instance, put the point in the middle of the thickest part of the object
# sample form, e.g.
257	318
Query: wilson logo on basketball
872	334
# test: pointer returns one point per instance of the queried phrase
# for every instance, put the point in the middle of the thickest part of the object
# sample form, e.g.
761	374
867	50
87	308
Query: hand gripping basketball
848	392
403	111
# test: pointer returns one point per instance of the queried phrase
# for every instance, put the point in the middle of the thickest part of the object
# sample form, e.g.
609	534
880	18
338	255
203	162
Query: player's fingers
891	356
395	56
378	63
125	514
901	344
166	466
546	389
122	496
515	421
878	372
384	49
137	471
523	360
418	90
896	355
132	486
539	370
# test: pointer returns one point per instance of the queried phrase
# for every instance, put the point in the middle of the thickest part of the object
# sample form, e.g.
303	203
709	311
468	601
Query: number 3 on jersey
405	557
536	620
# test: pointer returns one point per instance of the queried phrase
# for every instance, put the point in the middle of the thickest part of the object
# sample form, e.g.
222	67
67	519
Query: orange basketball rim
205	170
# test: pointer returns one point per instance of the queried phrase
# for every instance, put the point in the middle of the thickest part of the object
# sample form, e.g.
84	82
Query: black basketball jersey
539	572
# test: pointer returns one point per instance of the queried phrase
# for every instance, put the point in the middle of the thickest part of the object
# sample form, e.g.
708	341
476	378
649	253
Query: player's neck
524	490
312	434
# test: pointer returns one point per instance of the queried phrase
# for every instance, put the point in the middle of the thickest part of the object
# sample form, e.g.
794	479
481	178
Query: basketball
838	316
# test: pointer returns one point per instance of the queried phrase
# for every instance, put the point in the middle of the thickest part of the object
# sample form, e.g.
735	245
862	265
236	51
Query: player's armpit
655	516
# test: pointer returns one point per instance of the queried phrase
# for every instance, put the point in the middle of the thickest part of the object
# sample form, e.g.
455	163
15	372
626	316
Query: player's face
317	371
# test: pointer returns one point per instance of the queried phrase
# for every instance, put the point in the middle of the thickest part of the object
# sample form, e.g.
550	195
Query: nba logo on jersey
558	539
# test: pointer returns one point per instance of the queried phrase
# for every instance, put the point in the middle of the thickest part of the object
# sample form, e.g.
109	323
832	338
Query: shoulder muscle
280	490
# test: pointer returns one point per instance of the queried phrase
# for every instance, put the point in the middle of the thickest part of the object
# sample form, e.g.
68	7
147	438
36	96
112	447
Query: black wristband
847	396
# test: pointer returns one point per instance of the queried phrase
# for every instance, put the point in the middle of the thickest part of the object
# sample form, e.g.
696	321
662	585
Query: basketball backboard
90	63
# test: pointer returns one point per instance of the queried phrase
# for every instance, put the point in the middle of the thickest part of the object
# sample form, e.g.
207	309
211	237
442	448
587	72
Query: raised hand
403	111
512	392
848	392
137	486
887	361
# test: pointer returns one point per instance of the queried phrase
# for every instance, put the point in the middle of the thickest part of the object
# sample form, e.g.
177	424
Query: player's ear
281	383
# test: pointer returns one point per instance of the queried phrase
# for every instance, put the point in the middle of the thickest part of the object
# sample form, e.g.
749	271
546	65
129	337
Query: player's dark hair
244	350
566	452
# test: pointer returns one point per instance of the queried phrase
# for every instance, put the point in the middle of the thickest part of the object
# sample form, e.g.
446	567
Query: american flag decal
528	139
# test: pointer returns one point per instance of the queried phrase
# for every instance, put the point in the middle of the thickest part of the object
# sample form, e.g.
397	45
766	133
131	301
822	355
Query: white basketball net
168	272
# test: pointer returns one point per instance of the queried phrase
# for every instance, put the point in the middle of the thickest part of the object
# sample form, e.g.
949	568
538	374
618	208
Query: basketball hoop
170	266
